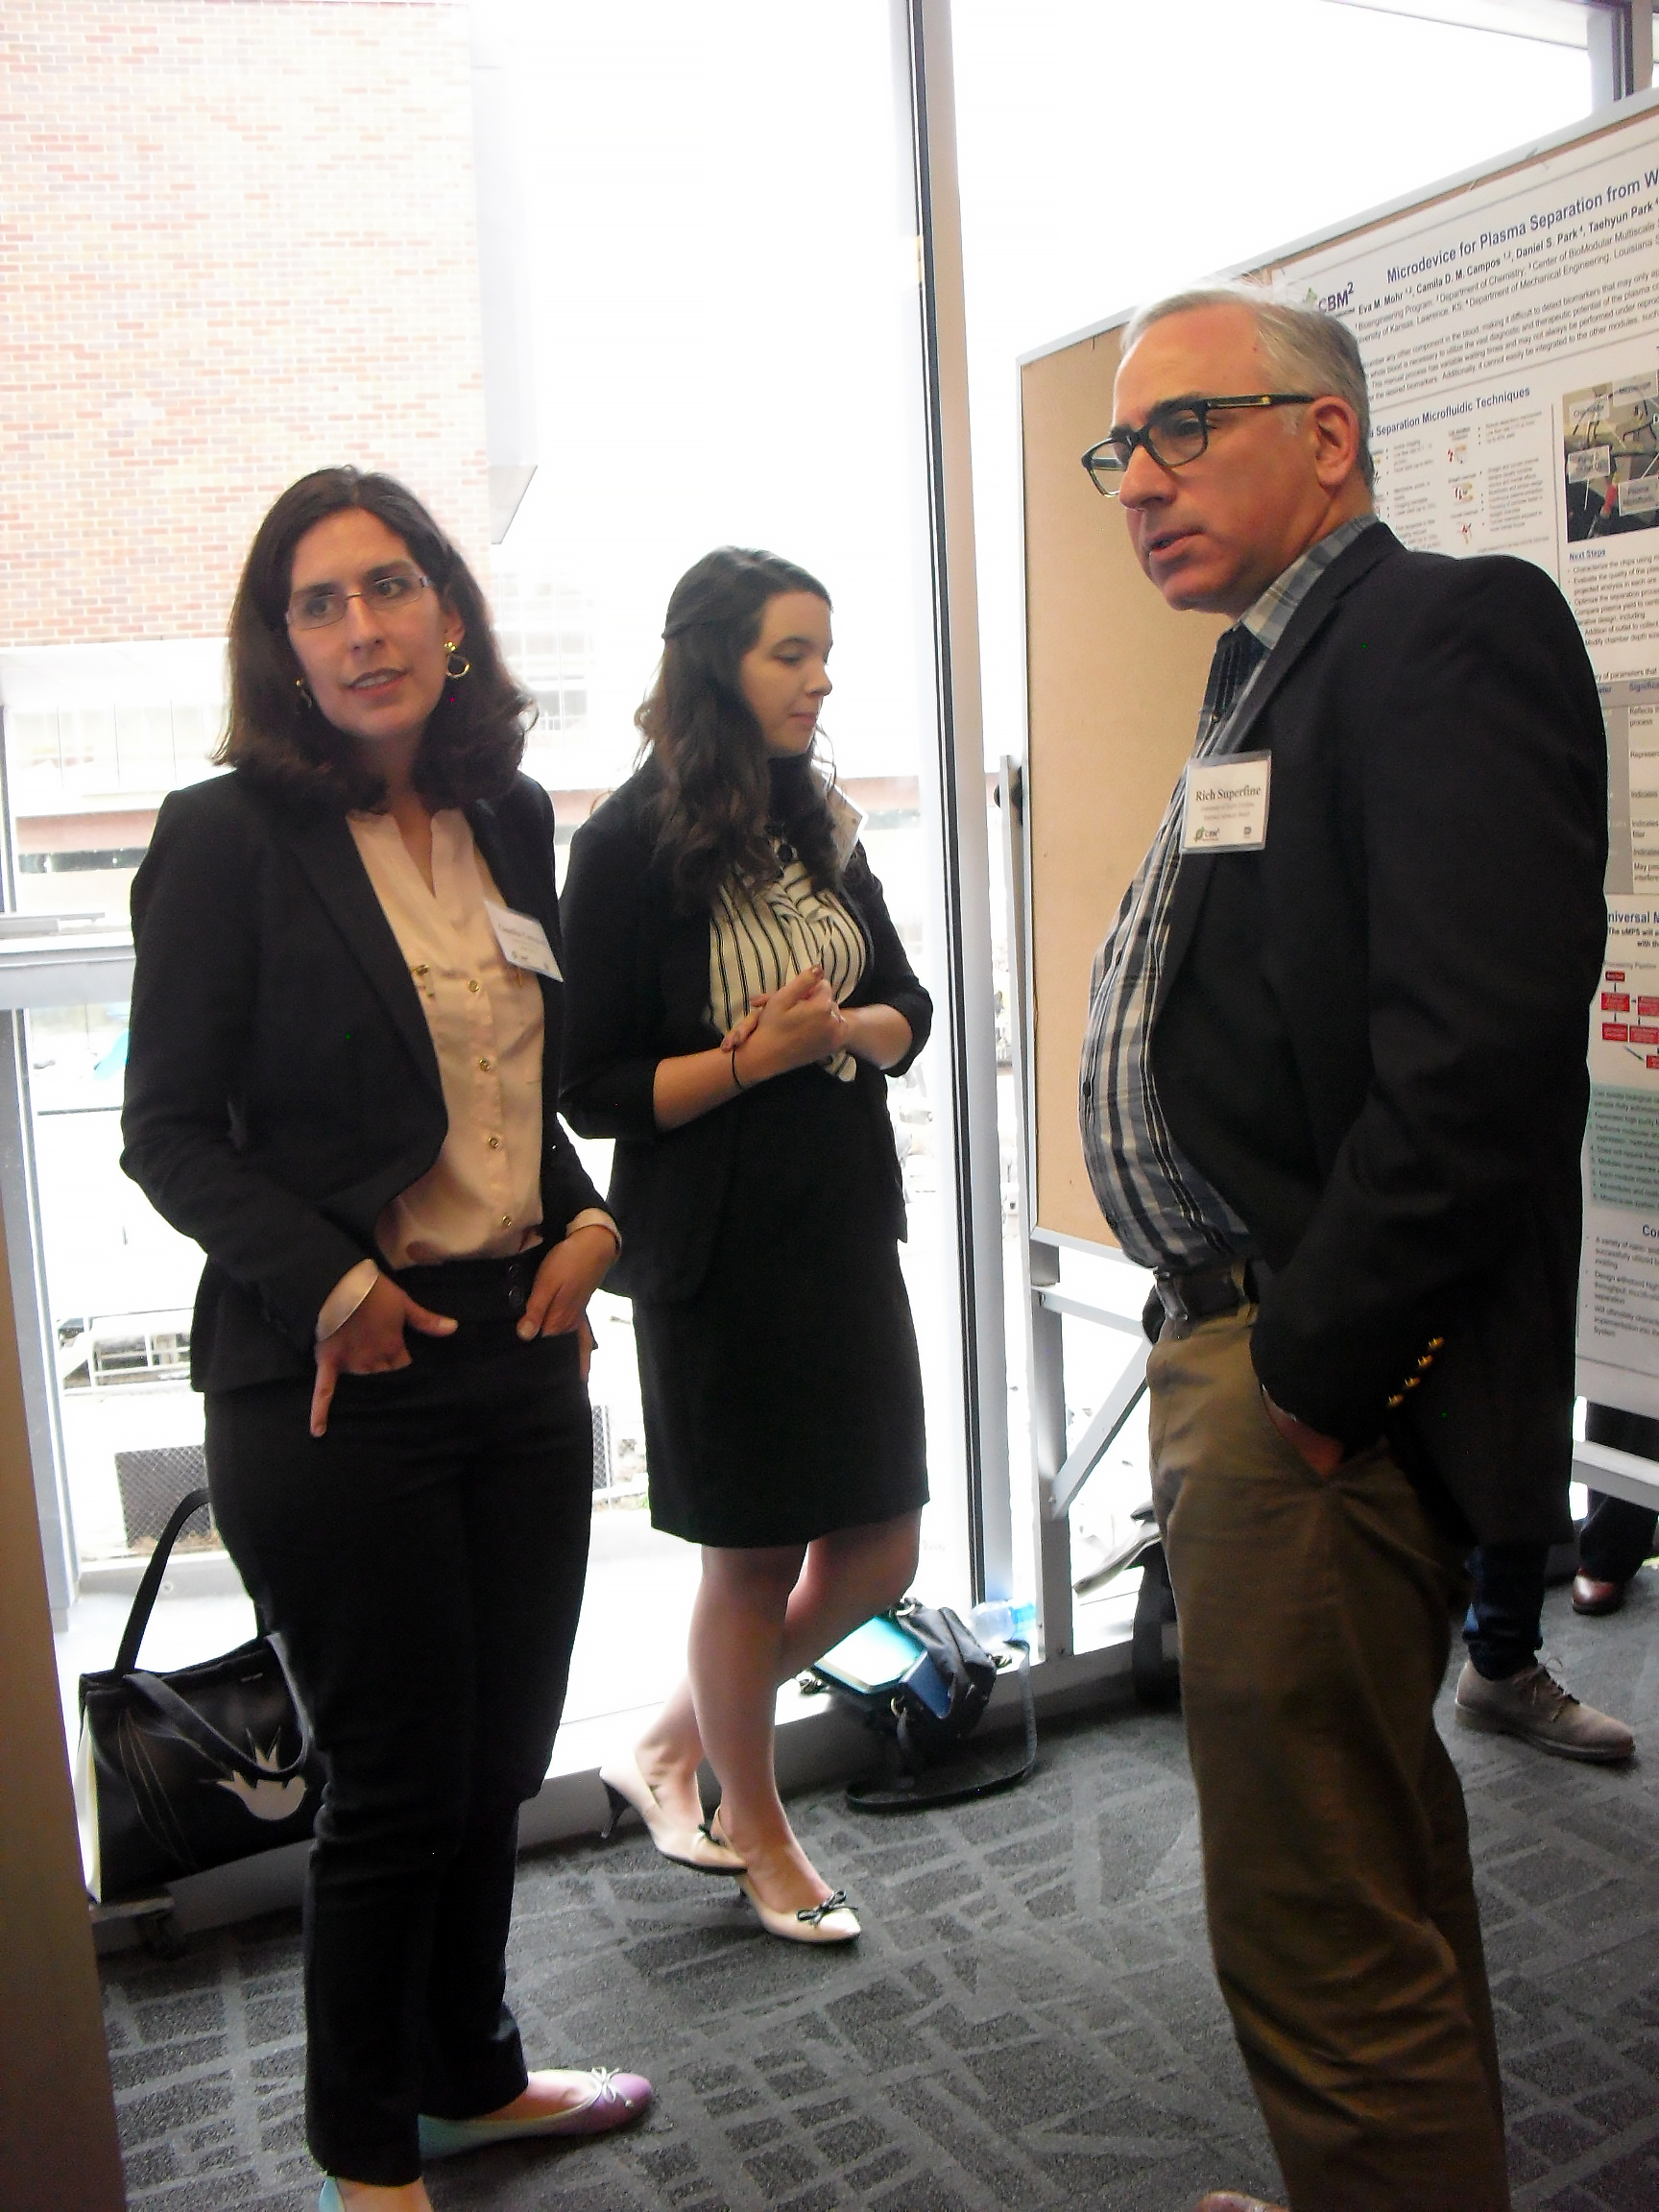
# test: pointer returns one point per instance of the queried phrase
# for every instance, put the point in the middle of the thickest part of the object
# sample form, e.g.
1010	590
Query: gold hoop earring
451	653
304	690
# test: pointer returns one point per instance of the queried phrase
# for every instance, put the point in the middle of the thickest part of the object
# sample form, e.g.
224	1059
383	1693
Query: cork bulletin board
1115	684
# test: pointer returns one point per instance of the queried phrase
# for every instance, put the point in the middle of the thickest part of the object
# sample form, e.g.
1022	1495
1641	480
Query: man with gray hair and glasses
1333	1093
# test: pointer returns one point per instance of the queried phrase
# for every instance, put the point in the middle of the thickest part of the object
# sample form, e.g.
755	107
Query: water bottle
993	1619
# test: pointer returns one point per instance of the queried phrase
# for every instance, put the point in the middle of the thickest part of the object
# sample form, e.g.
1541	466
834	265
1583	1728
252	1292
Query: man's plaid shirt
1166	1214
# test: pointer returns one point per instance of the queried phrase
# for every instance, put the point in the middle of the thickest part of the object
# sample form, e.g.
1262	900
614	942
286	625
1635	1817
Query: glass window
1084	189
716	340
121	1284
719	340
718	360
1089	180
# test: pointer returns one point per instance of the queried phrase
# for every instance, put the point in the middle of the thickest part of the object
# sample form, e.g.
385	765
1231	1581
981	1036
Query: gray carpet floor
1028	2025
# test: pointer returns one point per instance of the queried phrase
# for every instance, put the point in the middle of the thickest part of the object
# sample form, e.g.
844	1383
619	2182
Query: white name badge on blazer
1226	804
522	940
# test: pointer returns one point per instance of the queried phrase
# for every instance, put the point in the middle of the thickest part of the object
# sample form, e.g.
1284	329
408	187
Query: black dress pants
1504	1627
1504	1624
424	1564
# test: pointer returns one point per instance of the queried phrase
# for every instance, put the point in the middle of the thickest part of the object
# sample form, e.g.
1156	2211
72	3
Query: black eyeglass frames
1173	434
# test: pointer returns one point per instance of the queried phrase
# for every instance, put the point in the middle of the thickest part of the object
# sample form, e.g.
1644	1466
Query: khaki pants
1315	1621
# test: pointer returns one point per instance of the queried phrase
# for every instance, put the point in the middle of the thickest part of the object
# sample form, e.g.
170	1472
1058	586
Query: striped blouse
761	936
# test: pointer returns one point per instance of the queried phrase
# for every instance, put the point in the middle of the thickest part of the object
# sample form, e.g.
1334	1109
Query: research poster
1511	341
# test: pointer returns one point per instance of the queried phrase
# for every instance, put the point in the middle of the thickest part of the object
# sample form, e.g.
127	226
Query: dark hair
718	791
475	739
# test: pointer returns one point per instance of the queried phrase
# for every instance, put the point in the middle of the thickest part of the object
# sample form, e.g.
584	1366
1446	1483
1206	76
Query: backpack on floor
920	1680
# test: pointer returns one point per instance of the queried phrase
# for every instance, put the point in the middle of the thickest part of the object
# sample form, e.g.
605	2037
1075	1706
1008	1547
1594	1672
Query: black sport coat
1371	1034
637	971
282	1082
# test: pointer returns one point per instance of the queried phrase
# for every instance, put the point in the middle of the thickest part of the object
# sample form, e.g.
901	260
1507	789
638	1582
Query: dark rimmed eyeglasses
1173	434
325	604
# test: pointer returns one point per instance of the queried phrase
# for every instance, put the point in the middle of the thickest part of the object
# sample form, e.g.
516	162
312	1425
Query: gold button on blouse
494	1143
488	1066
473	985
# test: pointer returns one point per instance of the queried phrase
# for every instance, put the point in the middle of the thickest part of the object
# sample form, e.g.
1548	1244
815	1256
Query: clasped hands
374	1340
792	1027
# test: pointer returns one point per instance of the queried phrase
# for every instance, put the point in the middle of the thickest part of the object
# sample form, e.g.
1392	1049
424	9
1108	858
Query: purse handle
150	1588
165	1701
186	1721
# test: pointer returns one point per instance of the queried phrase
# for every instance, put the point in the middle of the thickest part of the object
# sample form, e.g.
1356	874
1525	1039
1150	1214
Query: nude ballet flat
830	1922
694	1847
613	2101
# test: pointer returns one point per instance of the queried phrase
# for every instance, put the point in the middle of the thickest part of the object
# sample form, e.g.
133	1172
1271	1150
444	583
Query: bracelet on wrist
735	1077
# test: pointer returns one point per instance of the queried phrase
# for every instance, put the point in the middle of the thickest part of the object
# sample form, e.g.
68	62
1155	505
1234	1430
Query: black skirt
785	1400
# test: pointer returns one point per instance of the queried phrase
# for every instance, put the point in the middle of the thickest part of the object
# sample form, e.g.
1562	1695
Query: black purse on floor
178	1772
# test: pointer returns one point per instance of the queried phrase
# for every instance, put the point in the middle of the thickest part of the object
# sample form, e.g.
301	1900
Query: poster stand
1509	319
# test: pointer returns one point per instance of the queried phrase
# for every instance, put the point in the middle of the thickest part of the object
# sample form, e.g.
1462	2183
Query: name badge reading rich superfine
522	940
1226	804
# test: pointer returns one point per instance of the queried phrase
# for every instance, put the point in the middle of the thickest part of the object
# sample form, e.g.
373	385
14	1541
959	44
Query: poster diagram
1619	1290
1610	438
1481	486
1632	714
1625	1037
1511	340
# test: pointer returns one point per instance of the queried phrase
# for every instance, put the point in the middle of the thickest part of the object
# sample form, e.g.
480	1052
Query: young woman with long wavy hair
737	997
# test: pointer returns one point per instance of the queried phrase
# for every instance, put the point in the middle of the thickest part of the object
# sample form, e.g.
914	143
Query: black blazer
1371	1034
282	1082
637	977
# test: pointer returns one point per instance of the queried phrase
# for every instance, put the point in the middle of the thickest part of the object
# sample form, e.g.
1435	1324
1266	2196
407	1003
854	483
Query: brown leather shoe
1231	2201
1592	1597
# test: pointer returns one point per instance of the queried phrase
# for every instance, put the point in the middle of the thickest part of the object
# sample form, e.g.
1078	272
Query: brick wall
236	243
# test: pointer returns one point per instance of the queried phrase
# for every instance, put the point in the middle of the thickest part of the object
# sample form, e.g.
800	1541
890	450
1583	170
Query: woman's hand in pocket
566	1280
371	1342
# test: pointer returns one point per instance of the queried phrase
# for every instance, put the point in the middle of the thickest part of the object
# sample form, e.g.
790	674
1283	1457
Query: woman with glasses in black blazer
738	996
341	1082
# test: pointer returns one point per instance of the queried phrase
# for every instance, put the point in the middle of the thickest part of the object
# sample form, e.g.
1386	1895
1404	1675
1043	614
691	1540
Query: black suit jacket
1371	1034
638	973
282	1082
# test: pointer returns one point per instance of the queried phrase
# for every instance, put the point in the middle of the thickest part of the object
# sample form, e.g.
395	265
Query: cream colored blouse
481	1199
